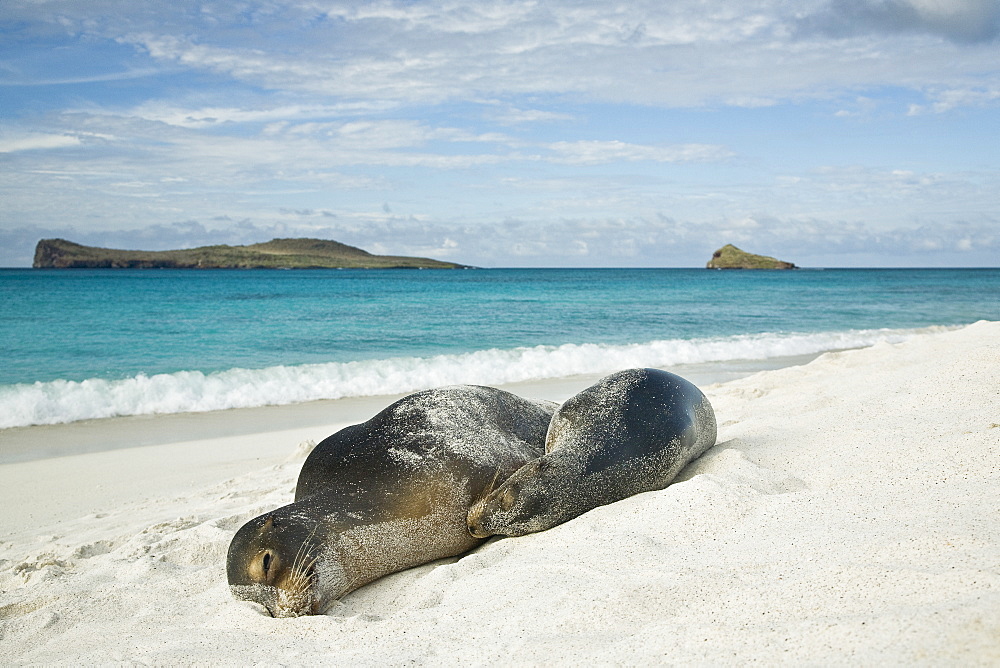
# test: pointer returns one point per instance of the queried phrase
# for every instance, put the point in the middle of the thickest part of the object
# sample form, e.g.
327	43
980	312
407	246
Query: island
731	257
274	254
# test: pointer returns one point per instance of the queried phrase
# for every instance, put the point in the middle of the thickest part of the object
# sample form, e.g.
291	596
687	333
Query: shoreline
165	453
847	515
60	401
21	444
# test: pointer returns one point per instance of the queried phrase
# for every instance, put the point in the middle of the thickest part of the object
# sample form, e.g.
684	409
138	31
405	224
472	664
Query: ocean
84	344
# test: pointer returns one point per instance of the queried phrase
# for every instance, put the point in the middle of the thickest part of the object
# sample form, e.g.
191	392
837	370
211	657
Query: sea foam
63	401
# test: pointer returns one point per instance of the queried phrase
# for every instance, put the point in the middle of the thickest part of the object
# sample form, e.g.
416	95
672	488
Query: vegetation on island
275	254
731	257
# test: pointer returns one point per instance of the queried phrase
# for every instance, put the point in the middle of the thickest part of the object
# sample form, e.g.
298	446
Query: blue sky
515	133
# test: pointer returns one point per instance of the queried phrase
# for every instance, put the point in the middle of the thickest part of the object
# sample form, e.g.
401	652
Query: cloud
946	99
652	241
514	116
253	146
685	53
210	117
134	172
35	141
536	118
598	152
19	80
856	189
961	21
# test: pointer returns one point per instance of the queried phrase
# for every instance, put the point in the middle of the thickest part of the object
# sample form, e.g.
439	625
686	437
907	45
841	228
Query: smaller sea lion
385	495
631	432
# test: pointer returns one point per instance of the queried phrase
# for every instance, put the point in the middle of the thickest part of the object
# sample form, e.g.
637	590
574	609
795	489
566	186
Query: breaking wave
193	391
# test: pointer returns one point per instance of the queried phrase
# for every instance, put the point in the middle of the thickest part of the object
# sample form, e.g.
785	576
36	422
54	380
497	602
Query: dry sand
850	514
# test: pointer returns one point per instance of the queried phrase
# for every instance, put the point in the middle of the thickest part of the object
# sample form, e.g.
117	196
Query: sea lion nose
476	530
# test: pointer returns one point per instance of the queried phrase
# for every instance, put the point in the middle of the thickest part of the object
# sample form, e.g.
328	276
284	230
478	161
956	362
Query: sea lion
385	495
632	432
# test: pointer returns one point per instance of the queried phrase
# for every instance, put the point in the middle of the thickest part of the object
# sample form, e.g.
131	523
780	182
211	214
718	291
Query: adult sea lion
632	432
385	495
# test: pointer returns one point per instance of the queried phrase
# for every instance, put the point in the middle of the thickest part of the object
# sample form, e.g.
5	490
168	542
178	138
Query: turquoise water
93	343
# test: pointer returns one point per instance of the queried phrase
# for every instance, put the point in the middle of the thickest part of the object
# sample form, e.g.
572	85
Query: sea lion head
523	504
279	561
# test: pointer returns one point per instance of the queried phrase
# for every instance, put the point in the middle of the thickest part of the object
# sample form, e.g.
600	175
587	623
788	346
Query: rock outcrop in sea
731	257
275	254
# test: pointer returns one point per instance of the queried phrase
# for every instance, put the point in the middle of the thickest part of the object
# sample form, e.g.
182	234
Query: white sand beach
849	515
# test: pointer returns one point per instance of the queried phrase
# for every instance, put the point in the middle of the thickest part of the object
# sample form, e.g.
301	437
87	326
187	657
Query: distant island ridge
731	257
274	254
294	254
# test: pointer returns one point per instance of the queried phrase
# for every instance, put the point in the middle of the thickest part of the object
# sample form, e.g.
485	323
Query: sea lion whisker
493	483
476	510
303	572
304	553
306	545
479	505
302	566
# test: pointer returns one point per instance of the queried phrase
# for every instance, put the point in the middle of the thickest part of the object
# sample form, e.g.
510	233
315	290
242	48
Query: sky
519	133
